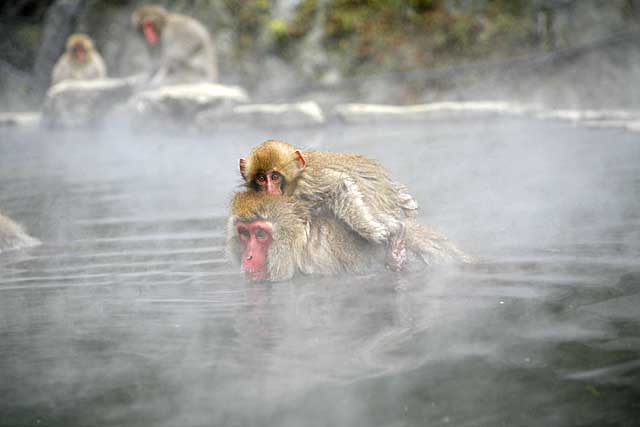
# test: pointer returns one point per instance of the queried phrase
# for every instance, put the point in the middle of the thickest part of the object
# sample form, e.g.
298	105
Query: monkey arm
60	70
375	218
99	69
180	44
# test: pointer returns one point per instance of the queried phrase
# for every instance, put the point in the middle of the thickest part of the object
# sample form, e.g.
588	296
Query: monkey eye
275	176
260	178
243	232
260	233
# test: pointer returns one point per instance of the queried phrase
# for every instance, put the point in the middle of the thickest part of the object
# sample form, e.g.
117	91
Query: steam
128	313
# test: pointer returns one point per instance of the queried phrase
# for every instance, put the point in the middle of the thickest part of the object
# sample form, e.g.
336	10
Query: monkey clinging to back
274	238
355	189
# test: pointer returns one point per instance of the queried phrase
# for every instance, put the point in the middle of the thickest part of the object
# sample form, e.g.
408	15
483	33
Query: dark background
562	53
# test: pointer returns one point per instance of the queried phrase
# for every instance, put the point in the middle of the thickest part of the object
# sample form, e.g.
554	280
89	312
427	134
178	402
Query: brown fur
276	156
289	221
354	188
156	13
185	52
68	67
314	243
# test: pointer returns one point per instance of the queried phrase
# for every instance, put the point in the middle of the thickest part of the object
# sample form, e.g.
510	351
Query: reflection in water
129	315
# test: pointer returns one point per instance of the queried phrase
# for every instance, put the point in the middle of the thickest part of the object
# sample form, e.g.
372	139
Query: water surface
128	314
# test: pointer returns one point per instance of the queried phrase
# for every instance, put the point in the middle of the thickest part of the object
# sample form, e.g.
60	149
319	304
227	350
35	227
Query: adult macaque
12	236
357	190
181	47
275	237
80	61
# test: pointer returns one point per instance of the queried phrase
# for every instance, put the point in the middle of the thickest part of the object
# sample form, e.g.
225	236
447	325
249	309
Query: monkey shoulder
328	175
343	165
185	26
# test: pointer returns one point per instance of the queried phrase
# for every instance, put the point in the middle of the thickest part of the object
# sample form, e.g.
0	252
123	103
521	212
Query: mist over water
128	314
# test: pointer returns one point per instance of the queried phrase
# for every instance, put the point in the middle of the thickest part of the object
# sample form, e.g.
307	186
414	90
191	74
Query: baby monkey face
270	182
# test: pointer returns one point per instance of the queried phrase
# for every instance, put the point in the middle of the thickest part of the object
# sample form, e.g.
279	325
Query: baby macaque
181	46
276	237
80	61
357	190
12	236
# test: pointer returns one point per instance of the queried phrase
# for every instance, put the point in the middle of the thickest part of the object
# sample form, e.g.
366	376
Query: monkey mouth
80	55
255	275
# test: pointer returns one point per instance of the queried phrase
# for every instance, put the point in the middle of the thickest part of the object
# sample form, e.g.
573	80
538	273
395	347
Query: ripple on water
128	314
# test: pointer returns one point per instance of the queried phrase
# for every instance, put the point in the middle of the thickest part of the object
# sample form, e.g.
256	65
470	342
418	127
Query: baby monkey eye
260	178
276	176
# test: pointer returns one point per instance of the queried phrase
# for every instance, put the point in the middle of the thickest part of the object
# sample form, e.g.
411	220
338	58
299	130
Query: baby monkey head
272	167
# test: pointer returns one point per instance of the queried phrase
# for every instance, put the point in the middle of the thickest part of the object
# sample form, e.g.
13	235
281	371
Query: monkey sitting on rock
181	47
81	61
276	237
357	190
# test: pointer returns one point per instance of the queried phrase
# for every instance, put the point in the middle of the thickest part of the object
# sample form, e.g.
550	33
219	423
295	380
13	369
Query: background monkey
357	190
275	237
80	61
12	236
181	46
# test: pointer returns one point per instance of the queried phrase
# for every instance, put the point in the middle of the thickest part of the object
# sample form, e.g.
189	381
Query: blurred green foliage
356	36
249	19
397	34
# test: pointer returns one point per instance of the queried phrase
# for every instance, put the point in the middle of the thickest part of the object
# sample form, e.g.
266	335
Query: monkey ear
242	166
299	159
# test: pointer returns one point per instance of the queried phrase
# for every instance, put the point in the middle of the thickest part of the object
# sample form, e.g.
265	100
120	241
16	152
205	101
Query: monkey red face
270	182
255	238
79	53
150	32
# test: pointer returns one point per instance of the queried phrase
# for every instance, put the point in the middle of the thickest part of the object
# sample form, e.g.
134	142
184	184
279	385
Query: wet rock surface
178	105
208	106
380	113
82	103
293	115
21	120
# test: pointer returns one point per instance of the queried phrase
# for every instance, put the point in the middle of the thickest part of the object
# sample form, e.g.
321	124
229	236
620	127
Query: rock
615	119
303	114
80	103
373	113
178	105
22	120
591	116
12	236
633	126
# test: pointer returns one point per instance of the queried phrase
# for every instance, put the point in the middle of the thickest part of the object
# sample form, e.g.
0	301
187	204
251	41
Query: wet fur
316	243
355	189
